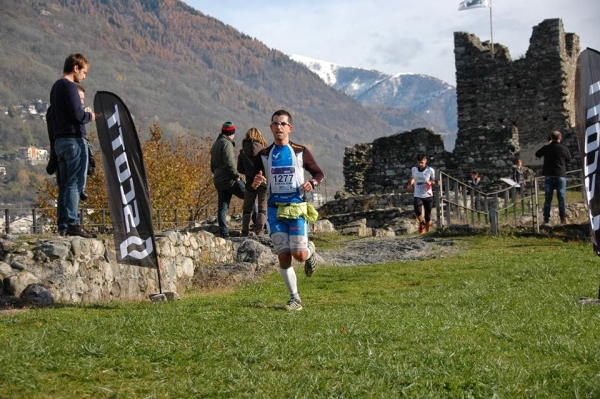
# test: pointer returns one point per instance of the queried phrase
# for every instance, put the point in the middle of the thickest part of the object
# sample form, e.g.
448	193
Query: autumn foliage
179	174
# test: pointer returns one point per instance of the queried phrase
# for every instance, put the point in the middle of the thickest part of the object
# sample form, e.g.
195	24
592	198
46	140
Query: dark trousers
224	198
255	209
559	184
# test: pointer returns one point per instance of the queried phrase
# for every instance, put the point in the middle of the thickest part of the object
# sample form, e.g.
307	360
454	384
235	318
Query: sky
397	36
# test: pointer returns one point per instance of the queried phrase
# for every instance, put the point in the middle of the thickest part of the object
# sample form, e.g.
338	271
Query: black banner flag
587	108
126	183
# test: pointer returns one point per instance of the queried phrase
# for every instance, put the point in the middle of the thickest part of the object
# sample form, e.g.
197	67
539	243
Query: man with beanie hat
225	177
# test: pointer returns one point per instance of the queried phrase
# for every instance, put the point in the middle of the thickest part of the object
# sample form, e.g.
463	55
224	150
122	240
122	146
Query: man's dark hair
282	112
74	60
421	157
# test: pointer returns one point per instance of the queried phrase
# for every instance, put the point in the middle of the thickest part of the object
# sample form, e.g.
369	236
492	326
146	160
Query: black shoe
83	195
94	235
62	232
78	231
310	264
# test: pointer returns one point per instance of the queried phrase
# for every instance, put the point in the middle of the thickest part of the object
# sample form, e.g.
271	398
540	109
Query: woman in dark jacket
253	143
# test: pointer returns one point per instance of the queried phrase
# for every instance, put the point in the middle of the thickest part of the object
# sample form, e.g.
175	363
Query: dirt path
371	250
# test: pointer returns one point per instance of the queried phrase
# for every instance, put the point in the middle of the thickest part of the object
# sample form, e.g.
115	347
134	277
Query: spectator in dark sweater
70	145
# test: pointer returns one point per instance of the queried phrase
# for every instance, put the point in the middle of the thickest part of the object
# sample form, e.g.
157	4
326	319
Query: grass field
500	319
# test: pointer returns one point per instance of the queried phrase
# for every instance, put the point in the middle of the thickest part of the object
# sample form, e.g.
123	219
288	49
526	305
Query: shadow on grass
13	304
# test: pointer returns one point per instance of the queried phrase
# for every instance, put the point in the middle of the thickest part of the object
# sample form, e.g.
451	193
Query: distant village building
34	108
27	110
33	154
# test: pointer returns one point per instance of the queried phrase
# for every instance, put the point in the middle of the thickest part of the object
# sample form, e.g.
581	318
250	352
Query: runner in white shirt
422	182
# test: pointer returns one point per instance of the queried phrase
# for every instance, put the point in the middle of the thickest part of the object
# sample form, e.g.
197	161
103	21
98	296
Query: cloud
397	51
400	35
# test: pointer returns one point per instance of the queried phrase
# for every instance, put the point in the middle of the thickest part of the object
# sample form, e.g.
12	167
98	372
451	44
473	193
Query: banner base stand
171	296
158	298
164	297
589	301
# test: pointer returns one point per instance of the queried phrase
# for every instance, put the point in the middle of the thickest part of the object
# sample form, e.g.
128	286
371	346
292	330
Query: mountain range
404	100
189	73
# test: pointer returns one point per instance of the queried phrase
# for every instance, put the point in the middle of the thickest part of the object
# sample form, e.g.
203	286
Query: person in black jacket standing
556	157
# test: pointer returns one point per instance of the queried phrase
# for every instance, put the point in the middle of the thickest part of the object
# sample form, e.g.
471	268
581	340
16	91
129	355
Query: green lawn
498	320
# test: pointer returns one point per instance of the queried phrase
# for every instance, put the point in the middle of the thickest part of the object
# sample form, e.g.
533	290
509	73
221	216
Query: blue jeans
72	156
224	198
559	184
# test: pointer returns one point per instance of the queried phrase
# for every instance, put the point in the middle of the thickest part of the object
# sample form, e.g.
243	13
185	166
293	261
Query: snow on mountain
325	70
430	98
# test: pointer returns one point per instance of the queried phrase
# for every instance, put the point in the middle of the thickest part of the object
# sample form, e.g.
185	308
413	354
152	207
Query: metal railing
460	203
456	203
43	220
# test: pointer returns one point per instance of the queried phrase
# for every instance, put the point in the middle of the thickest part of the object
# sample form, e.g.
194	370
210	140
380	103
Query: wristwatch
313	183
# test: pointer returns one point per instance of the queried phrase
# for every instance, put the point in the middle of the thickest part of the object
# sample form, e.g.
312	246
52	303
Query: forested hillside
175	66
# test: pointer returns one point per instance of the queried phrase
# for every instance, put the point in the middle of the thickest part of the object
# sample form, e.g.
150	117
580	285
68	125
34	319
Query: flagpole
491	30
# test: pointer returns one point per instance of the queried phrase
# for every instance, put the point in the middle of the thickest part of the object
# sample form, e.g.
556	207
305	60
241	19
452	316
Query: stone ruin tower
525	99
506	111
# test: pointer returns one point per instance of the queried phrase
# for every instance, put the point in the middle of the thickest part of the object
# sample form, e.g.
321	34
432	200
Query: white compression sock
291	282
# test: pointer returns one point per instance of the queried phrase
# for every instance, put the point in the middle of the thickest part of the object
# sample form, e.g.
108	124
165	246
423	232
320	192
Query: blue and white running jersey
285	175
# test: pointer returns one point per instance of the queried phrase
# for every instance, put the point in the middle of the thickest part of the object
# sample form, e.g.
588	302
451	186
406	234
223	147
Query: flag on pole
469	4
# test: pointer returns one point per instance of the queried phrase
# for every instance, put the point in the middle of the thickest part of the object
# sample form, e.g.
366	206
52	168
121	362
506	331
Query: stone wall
491	150
384	166
534	93
371	214
362	203
75	270
506	110
358	160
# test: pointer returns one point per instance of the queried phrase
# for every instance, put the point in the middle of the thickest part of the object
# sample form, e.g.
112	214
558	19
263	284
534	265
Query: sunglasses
284	124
